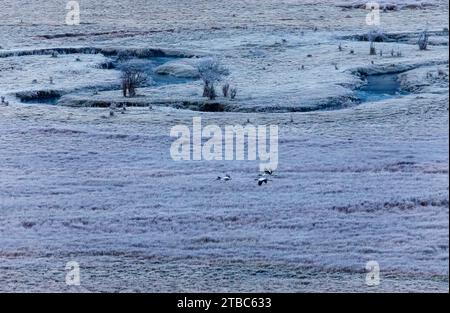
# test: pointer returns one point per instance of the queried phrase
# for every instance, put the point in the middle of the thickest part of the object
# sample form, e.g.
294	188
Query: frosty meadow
224	146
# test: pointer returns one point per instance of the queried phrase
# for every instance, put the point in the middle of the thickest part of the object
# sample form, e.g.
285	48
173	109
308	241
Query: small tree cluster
211	72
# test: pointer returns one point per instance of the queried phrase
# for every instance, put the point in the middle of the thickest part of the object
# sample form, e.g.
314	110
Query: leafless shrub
233	93
132	79
209	91
226	90
211	72
3	102
423	40
375	36
205	89
373	50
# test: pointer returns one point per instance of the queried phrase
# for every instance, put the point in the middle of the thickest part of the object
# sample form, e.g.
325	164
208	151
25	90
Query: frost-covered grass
353	185
364	182
64	73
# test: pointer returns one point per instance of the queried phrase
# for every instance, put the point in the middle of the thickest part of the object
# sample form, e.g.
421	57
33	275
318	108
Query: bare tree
211	72
132	79
375	36
373	50
423	40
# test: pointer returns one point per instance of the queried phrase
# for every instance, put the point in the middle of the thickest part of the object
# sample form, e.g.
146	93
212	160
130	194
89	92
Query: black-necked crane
262	180
268	171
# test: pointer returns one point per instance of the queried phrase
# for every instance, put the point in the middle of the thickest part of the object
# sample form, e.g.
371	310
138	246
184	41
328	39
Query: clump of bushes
229	91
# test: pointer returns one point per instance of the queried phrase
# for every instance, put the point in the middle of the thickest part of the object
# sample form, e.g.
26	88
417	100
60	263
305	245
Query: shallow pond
380	87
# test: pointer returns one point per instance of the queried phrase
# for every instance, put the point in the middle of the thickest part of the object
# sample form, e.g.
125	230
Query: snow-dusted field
355	182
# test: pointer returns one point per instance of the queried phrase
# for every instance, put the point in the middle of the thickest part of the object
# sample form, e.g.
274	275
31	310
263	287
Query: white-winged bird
268	171
225	178
262	180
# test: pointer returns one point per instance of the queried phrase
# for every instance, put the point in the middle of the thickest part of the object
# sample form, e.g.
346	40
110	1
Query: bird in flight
225	178
262	180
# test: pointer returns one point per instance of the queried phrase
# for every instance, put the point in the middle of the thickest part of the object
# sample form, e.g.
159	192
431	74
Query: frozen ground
357	183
